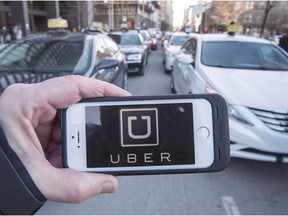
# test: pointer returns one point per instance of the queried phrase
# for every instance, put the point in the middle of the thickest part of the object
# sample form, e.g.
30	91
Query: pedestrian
18	32
283	42
30	145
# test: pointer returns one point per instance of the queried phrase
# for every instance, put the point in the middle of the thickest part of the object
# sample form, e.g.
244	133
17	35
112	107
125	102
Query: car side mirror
186	59
106	64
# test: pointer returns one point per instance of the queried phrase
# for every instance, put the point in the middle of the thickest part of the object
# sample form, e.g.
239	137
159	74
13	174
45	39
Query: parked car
171	48
252	75
131	43
59	52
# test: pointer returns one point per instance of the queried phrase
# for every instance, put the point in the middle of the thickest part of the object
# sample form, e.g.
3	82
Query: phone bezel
75	124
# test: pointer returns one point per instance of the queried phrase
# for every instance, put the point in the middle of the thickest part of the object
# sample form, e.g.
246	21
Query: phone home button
203	133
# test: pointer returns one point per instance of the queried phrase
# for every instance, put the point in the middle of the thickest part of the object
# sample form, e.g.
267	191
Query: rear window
126	39
46	55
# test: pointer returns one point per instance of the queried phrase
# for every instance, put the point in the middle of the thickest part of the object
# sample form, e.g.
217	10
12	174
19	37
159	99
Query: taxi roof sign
235	28
57	23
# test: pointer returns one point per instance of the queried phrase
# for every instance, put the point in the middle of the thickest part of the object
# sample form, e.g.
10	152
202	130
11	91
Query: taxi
59	52
252	75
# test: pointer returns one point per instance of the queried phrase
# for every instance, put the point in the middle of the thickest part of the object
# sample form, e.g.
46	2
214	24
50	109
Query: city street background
245	187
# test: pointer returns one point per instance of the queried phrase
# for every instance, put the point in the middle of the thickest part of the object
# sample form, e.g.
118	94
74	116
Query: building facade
250	15
111	14
30	16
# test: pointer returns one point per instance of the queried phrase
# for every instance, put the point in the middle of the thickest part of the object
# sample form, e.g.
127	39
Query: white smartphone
146	135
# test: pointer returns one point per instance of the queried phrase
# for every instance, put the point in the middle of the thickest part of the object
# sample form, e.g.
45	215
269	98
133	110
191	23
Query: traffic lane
256	188
154	81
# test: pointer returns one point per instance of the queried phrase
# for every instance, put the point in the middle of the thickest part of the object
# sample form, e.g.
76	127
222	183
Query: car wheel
167	71
172	86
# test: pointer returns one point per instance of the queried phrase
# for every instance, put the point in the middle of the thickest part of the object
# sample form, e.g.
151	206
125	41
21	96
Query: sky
178	8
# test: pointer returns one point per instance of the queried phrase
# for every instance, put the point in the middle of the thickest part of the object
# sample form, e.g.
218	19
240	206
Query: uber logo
139	127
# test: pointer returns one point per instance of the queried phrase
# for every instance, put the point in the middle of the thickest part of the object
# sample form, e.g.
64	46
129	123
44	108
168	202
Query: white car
172	47
252	75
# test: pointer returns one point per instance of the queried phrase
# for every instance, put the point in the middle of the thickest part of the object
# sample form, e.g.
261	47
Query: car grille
277	121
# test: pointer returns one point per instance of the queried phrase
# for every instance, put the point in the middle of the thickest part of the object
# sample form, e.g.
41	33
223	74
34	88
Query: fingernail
106	187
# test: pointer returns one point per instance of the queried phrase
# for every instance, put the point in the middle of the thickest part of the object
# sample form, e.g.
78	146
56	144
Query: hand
30	118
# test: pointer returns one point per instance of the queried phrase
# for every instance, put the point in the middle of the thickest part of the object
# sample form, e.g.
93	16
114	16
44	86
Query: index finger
64	91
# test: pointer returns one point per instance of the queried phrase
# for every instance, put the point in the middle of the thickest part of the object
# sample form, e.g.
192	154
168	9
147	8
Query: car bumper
134	66
258	142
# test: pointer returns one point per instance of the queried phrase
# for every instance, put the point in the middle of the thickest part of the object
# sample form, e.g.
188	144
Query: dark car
38	57
154	40
136	52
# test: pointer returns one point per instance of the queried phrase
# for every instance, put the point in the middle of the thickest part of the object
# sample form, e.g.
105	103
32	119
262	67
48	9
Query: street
245	187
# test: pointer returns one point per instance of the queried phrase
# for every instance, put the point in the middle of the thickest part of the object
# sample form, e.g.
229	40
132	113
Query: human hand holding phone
31	122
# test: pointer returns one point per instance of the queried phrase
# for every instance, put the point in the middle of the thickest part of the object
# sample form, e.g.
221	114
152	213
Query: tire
172	86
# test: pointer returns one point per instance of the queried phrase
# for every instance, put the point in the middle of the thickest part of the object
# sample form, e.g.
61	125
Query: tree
269	6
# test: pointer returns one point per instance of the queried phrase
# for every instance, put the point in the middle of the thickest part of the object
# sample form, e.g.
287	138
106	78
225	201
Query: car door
186	66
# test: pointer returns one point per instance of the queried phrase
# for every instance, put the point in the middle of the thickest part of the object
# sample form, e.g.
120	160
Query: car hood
252	88
131	49
9	78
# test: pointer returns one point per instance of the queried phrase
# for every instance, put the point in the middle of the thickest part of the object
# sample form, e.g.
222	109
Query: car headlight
236	115
233	113
134	57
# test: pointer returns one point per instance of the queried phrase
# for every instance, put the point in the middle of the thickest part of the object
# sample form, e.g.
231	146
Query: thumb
66	185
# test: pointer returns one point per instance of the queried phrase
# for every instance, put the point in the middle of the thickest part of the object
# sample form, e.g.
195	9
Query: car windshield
178	40
243	55
126	39
46	55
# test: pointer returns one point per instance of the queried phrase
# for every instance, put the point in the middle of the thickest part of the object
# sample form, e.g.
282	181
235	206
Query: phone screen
139	135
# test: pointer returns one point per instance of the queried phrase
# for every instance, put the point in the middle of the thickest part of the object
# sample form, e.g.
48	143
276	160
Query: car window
52	55
178	40
126	39
101	51
273	55
84	62
112	47
190	47
130	39
243	55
